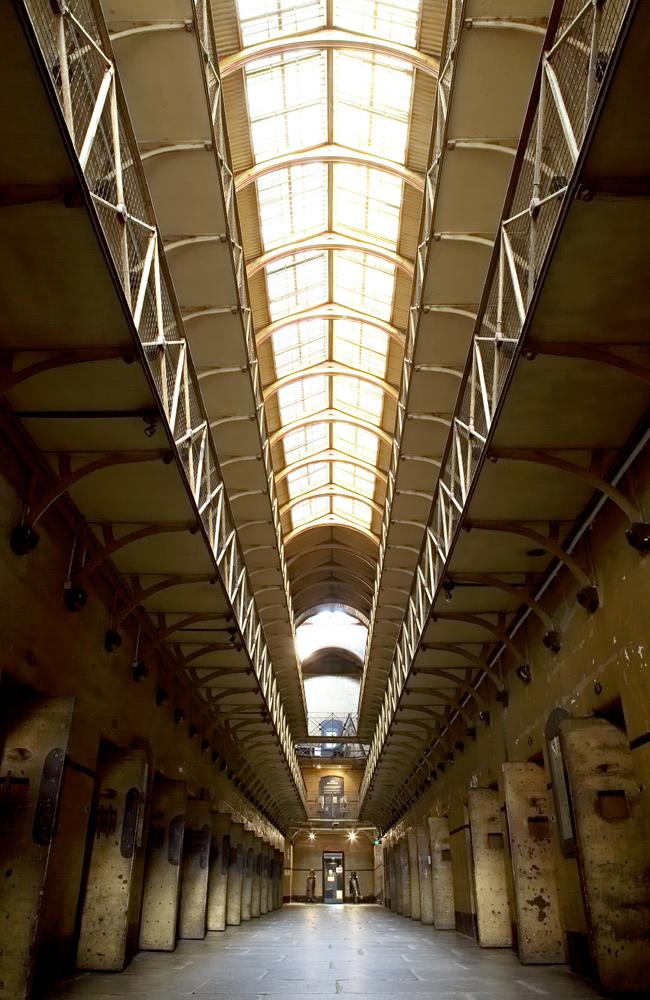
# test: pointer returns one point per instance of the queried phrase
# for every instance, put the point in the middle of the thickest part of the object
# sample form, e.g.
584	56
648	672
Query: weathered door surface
530	831
33	740
195	869
163	865
424	867
613	854
396	862
444	917
235	871
280	897
247	876
385	855
492	908
414	872
116	826
277	882
257	877
218	872
264	877
406	877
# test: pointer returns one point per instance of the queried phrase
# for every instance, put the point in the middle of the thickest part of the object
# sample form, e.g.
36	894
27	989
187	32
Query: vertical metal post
64	70
596	24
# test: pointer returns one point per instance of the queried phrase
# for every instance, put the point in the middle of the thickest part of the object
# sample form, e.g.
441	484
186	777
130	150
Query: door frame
331	902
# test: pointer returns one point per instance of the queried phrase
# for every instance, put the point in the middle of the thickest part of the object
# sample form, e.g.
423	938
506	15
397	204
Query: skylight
331	628
304	106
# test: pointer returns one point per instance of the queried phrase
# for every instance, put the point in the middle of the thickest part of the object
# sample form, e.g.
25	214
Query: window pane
358	398
309	395
367	204
287	103
398	22
354	478
308	478
372	98
353	510
364	282
296	283
264	19
356	441
360	346
299	345
305	441
293	204
309	510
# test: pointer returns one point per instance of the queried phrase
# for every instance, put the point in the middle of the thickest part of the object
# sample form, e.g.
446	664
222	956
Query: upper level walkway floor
304	951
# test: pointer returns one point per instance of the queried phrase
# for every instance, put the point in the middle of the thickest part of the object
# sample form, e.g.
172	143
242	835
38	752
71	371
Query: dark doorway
333	876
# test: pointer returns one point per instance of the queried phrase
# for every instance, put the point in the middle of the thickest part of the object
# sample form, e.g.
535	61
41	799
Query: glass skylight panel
305	441
364	282
356	441
354	478
353	510
367	204
292	204
264	19
309	510
397	22
310	477
300	345
360	346
287	103
372	99
296	282
300	399
358	398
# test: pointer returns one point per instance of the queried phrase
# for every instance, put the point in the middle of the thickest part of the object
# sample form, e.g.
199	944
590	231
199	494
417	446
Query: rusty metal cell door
34	739
163	865
195	869
442	883
490	887
539	929
613	855
218	874
116	826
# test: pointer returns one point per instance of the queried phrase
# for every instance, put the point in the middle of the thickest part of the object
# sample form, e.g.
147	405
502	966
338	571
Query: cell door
333	877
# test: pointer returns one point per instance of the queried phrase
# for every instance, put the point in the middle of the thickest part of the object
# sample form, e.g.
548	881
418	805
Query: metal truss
571	72
75	49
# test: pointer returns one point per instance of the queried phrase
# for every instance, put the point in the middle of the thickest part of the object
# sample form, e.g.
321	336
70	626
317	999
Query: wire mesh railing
571	73
75	51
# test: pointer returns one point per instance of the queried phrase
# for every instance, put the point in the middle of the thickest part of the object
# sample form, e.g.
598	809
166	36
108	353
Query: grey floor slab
301	951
